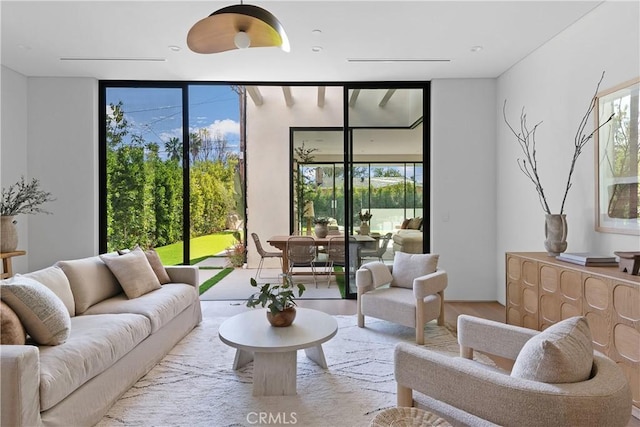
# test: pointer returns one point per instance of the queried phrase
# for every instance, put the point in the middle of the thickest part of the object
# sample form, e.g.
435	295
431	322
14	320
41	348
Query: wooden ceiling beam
321	94
354	97
255	95
387	96
288	98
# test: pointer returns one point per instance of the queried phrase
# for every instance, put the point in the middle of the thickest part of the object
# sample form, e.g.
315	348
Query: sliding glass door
171	170
367	177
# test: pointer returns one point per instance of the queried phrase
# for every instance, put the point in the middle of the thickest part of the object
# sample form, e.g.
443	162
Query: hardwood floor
485	309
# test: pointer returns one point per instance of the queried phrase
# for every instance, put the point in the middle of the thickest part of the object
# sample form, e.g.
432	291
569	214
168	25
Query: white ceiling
35	35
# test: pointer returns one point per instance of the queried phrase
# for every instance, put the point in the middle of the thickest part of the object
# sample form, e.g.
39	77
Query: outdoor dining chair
301	252
264	254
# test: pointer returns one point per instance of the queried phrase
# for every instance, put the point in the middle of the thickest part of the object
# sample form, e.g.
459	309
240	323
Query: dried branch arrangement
527	139
24	198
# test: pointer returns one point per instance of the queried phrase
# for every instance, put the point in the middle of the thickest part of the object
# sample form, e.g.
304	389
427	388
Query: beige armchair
469	393
413	297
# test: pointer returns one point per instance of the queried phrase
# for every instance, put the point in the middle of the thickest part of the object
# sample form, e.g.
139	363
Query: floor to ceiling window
173	158
172	169
381	149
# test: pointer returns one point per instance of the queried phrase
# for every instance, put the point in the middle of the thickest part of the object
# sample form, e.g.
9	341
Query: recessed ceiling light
316	49
476	48
24	47
316	32
175	48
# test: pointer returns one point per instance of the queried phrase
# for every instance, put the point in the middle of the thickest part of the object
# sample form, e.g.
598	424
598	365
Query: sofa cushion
405	224
414	223
43	314
95	344
156	265
55	279
562	353
133	271
11	330
407	267
91	281
159	306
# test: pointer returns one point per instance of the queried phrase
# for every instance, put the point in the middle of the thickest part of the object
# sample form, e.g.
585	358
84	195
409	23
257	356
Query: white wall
63	152
555	85
463	184
13	147
49	132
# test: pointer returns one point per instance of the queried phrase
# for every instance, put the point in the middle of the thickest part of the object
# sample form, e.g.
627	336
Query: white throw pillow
133	271
562	353
43	315
407	267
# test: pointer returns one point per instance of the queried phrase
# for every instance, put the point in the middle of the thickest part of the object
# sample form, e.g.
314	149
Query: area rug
195	385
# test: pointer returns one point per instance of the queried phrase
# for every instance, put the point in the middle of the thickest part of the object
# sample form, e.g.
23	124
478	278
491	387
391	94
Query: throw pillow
156	265
91	281
407	267
44	315
55	279
11	330
562	353
405	224
134	273
414	223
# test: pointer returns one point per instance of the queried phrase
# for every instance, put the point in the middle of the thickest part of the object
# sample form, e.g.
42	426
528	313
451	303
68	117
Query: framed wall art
617	160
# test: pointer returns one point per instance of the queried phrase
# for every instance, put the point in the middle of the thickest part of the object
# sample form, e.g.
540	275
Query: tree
173	148
195	143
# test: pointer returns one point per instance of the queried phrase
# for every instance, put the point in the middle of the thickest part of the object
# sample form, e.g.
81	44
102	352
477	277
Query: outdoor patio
237	285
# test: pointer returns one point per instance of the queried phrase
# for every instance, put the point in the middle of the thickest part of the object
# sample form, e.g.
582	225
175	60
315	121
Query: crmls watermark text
272	418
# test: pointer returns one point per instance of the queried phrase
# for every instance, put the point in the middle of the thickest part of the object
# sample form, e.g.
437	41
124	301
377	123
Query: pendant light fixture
237	27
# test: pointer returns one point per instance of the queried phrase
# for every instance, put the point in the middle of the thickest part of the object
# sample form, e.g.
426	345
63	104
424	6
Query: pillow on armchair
562	353
407	267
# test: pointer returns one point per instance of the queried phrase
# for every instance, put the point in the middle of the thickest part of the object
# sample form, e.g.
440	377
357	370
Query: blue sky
156	113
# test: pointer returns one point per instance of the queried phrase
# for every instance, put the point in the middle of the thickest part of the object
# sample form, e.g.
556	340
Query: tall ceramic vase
555	231
8	234
364	228
321	230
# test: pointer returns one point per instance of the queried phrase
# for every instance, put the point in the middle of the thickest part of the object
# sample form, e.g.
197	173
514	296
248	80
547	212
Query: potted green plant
237	253
279	298
320	226
20	198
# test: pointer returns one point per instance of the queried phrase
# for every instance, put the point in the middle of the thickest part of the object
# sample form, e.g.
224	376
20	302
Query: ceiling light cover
217	32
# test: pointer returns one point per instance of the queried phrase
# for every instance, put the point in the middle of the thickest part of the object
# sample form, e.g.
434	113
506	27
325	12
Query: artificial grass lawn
201	247
340	280
208	284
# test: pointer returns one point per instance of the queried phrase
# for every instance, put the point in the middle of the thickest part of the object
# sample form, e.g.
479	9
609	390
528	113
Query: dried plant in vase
20	198
555	225
24	198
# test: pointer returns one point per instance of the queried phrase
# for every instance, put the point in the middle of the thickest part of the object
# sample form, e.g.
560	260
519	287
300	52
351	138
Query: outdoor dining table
355	241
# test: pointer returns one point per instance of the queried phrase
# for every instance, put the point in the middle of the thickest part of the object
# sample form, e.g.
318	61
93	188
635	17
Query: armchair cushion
407	267
562	353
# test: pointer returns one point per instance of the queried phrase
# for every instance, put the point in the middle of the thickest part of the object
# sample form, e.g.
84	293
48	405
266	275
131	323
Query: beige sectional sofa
408	238
111	342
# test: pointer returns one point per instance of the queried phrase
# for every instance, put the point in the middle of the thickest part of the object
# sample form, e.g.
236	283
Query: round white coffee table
274	350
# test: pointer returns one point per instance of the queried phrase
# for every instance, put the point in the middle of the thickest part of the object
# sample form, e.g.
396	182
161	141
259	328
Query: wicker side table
407	417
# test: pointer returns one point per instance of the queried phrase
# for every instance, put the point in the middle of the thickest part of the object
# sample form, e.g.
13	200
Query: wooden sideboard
542	290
